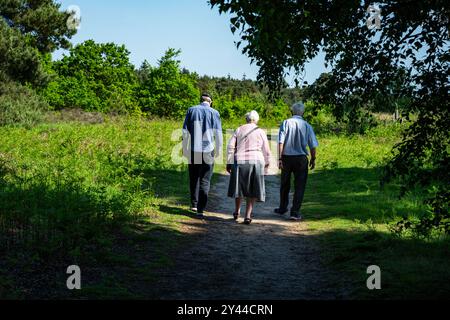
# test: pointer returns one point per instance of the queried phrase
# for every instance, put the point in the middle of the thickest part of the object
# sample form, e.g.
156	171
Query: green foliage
20	106
28	28
66	186
423	158
321	118
29	31
357	118
40	21
233	98
18	60
94	77
164	90
406	58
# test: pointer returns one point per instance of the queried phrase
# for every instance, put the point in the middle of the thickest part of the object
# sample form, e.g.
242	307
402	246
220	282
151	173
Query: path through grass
108	197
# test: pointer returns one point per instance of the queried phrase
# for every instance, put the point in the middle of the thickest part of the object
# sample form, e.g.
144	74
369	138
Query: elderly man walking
294	137
202	142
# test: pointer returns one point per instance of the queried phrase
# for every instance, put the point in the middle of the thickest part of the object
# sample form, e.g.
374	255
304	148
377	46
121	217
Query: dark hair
205	95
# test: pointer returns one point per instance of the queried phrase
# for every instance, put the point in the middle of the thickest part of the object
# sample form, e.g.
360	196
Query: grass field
75	191
352	216
108	195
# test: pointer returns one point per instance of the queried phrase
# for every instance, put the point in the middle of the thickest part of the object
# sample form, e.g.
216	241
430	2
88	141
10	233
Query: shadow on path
272	258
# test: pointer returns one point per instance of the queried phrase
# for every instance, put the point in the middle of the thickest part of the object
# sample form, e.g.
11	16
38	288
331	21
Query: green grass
108	197
74	191
351	215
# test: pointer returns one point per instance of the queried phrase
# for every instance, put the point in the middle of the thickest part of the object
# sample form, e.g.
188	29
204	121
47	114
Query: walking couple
248	158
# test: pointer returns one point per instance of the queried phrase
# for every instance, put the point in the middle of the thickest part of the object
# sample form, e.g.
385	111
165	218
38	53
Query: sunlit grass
93	180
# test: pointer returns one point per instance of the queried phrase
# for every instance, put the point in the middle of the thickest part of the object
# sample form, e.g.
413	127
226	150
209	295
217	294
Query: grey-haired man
294	137
202	142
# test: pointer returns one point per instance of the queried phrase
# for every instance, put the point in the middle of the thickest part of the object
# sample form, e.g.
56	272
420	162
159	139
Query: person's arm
266	149
281	137
218	136
313	144
231	149
186	137
280	154
312	163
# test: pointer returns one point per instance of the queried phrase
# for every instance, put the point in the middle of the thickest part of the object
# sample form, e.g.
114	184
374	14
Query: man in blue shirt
294	137
202	142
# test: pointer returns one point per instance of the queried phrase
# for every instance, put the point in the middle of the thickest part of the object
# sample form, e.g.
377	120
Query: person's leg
205	183
194	185
238	203
285	186
250	205
300	179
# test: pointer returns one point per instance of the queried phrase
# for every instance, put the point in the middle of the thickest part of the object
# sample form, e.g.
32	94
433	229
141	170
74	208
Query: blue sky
149	27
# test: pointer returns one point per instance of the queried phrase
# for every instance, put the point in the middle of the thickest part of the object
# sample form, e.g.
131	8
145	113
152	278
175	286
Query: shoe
194	209
235	216
295	217
279	211
247	221
200	214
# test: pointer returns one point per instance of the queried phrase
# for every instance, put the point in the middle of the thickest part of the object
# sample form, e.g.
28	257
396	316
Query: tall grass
67	187
64	187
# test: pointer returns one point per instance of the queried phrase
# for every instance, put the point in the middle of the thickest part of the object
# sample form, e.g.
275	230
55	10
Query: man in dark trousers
294	137
202	142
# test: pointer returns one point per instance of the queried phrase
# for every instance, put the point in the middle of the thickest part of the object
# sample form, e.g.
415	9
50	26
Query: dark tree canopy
40	20
30	29
279	35
413	36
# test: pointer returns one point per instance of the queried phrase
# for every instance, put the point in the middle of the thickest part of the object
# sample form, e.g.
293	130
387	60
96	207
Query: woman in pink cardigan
248	159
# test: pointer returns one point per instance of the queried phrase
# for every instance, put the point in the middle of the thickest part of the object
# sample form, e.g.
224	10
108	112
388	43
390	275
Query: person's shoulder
309	126
306	122
189	110
262	132
289	121
215	112
194	107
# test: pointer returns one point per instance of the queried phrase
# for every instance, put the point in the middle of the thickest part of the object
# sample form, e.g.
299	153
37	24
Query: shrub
94	77
20	105
165	91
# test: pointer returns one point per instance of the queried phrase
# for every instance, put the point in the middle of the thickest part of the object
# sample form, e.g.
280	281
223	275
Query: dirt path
273	258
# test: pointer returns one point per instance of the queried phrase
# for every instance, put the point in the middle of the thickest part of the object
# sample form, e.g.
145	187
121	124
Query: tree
18	61
28	30
165	90
413	35
94	77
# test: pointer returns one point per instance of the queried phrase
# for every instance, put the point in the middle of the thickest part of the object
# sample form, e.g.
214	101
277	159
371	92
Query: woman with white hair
248	159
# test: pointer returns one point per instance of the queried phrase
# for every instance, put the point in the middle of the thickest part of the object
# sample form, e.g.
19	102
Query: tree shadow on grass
135	260
170	184
177	211
45	229
354	194
410	268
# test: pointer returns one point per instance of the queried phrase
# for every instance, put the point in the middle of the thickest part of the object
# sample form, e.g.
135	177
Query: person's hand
229	167
312	164
280	164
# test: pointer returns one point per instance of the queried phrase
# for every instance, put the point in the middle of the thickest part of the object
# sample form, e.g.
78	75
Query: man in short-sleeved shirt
295	137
